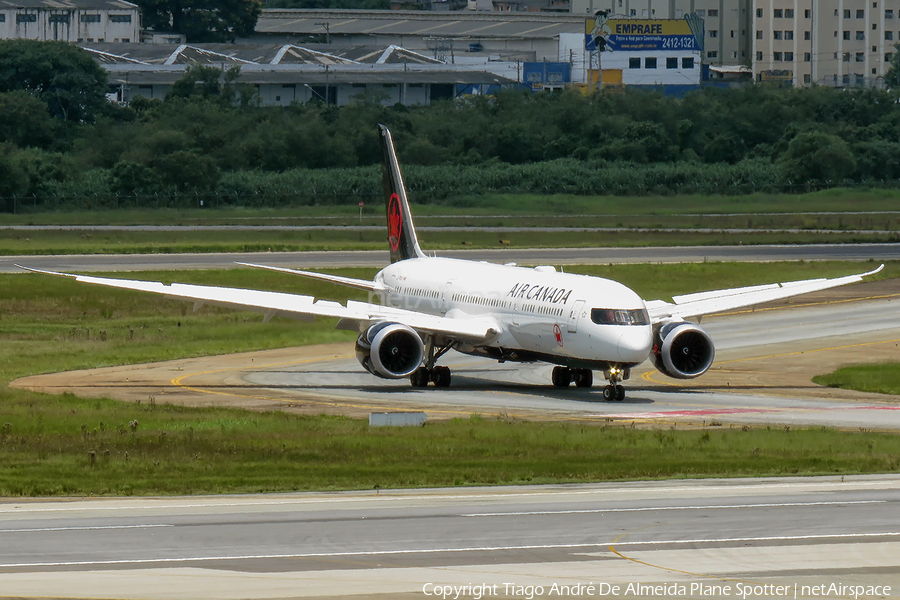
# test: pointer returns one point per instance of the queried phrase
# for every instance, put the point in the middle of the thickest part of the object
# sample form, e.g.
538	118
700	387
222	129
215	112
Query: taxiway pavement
543	256
728	535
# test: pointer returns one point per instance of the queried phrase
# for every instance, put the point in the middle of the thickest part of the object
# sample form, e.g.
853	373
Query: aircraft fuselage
567	319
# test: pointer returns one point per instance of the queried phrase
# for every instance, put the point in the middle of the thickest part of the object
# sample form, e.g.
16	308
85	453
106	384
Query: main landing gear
584	378
563	376
440	376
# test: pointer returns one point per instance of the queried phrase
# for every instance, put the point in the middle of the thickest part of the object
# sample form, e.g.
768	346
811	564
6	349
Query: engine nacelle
390	350
682	350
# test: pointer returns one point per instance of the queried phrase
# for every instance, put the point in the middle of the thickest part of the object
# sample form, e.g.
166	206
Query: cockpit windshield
615	316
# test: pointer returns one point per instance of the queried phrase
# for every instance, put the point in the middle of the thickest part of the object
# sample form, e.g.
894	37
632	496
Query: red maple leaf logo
558	333
395	222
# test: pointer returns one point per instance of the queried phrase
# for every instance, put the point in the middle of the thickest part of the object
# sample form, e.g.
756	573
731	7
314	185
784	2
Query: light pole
327	27
316	93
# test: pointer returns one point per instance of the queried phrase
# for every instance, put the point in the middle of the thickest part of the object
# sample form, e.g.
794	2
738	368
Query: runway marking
82	528
736	411
117	506
661	508
700	412
408	551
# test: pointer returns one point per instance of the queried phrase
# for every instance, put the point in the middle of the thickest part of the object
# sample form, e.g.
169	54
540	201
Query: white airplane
430	305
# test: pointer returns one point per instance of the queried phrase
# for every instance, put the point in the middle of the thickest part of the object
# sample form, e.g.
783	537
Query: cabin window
614	316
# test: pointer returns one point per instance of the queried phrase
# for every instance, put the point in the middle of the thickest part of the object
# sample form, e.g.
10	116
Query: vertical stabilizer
401	232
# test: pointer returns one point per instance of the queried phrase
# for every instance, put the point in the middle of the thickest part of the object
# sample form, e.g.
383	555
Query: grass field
516	206
52	445
833	216
76	447
14	243
879	378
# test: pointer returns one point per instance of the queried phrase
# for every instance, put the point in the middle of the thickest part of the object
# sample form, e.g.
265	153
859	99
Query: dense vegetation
210	139
202	20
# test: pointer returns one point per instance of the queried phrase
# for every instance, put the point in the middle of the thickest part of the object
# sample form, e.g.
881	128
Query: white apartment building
842	43
80	21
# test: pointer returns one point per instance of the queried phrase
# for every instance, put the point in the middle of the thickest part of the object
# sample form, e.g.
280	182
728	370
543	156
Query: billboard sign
603	34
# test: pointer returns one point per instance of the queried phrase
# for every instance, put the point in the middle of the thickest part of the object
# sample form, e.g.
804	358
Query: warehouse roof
467	25
311	75
246	54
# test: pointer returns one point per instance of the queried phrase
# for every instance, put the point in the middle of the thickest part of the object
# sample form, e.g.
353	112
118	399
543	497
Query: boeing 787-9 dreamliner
431	305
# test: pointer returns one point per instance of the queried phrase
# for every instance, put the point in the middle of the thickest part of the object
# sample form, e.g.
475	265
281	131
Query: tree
213	83
24	120
817	156
892	79
13	180
187	170
202	20
63	75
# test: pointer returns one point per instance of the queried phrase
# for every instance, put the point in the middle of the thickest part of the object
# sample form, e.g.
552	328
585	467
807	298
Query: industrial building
282	74
78	21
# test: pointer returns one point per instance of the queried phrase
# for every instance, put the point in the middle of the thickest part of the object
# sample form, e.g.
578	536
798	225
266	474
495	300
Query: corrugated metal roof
186	55
275	54
419	23
397	55
138	75
291	54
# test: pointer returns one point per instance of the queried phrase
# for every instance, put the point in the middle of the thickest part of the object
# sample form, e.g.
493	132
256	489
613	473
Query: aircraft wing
360	284
353	316
705	303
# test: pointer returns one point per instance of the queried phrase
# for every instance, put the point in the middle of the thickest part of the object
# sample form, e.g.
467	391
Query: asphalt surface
551	256
731	536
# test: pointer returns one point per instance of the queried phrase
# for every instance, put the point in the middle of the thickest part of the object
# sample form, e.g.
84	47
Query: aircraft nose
634	345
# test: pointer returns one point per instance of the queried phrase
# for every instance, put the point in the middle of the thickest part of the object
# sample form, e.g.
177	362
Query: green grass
13	243
65	446
881	378
50	324
665	216
514	205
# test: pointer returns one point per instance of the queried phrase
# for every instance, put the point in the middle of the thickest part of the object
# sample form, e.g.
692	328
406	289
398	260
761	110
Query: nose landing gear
584	378
614	391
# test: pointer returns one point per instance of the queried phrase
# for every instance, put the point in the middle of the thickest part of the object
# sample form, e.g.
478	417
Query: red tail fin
401	231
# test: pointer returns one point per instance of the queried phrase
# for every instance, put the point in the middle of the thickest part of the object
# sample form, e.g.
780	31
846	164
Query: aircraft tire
620	393
609	393
584	378
561	376
441	376
419	377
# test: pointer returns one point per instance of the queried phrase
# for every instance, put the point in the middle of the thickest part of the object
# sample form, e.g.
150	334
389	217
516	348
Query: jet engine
390	350
682	350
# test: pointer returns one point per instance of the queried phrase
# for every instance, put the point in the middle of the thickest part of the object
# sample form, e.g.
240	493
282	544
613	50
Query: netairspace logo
672	590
